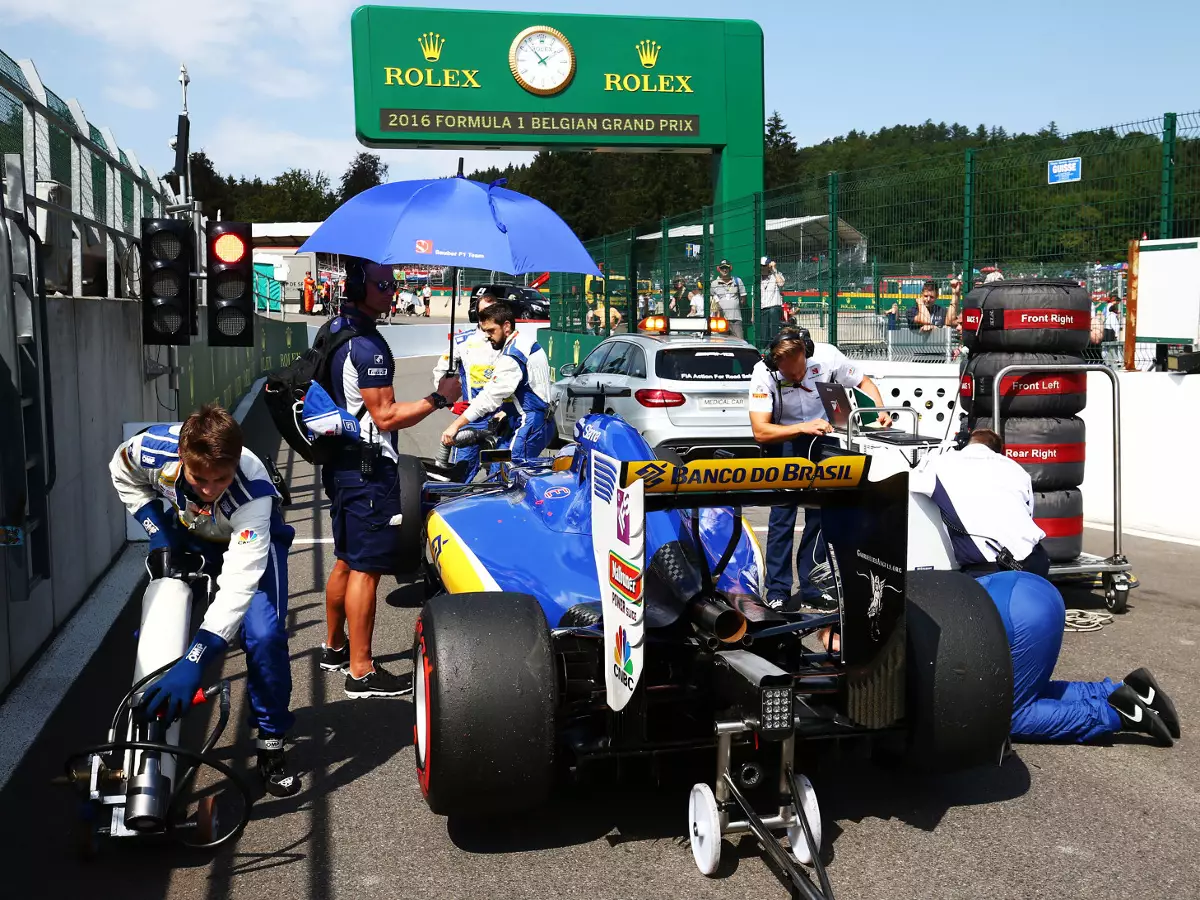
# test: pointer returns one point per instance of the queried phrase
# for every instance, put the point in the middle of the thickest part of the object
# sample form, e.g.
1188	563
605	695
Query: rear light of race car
657	398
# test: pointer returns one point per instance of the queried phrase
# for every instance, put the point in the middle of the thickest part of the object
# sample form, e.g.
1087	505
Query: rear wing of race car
864	525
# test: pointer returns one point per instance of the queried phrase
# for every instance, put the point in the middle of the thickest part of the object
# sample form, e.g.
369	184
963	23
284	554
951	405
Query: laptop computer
836	400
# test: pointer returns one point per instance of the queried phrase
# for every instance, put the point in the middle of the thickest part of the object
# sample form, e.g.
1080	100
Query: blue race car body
535	537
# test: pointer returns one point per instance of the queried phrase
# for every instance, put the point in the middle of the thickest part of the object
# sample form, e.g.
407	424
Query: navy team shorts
363	510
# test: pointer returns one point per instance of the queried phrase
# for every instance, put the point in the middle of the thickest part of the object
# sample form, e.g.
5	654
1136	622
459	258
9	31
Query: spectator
927	314
696	302
729	293
427	297
770	298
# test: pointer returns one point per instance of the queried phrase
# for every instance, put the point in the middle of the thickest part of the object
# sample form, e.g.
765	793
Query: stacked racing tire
1033	322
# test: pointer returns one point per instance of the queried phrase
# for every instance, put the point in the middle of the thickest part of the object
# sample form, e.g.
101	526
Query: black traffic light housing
230	284
168	290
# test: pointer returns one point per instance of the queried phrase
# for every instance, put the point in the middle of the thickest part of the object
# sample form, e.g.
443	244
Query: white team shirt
507	377
475	356
147	467
991	493
791	404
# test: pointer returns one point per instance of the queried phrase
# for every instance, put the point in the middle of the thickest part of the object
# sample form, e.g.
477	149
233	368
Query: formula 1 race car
609	604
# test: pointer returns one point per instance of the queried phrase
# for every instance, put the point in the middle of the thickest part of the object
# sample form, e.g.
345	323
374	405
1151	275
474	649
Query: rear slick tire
960	681
485	693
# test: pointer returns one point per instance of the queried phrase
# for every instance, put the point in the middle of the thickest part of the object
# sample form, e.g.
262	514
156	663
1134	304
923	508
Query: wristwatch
438	401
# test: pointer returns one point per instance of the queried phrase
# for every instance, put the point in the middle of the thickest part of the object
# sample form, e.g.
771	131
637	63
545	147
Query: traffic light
230	285
168	291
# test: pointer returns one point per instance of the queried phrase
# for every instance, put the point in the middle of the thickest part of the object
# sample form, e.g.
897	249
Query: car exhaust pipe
713	617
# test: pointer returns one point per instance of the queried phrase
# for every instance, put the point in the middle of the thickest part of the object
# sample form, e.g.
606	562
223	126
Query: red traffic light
229	248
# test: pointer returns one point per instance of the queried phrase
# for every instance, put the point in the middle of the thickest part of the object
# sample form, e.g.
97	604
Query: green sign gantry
439	78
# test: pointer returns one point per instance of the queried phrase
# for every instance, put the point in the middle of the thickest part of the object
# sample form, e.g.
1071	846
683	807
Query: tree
365	171
779	153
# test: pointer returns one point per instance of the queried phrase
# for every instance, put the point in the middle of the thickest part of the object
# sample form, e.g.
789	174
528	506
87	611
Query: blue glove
150	518
172	694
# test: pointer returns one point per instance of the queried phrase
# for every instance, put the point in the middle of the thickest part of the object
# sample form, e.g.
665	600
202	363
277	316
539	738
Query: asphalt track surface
1104	821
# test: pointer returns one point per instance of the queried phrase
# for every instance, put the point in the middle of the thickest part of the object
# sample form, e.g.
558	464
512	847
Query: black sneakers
378	683
1137	716
272	768
1143	683
335	660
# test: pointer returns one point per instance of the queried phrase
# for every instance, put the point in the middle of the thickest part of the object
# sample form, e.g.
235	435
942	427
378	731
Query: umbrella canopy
452	222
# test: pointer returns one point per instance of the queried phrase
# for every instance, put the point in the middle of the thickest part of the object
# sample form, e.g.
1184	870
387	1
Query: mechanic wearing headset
362	482
225	508
787	415
475	357
521	372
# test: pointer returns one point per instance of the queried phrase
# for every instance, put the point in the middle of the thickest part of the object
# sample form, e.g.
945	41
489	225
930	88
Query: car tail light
657	398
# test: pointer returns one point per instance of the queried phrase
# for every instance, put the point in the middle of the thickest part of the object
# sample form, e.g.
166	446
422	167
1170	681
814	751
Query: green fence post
666	265
875	280
1166	215
968	220
755	334
607	304
706	251
833	257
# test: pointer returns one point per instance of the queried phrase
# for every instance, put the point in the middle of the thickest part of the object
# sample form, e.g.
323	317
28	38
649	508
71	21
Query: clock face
542	60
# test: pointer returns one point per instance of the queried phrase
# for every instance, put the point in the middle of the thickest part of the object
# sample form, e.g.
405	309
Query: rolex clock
542	60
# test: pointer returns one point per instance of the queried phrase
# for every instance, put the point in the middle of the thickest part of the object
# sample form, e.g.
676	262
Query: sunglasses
388	285
724	268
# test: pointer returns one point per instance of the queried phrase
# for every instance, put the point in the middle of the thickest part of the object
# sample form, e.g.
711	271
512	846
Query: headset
356	279
771	357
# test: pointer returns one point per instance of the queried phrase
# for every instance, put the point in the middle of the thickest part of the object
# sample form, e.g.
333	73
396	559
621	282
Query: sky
272	89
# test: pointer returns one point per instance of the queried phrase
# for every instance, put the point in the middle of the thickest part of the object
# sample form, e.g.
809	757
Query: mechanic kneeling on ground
226	509
788	418
362	482
1043	710
986	502
522	372
475	358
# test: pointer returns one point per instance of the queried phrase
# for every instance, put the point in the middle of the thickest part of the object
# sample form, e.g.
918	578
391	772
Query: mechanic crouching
225	508
986	505
475	358
788	419
522	372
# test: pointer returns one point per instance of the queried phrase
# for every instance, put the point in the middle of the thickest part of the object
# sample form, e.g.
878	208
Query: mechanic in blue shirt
1033	613
225	508
522	372
362	482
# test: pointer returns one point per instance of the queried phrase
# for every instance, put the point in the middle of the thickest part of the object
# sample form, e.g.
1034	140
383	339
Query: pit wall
97	384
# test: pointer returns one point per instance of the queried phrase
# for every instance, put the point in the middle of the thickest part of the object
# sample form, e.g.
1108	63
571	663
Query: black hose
199	759
123	705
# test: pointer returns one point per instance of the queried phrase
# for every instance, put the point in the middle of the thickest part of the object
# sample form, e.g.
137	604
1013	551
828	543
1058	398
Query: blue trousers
264	636
532	436
780	537
1045	710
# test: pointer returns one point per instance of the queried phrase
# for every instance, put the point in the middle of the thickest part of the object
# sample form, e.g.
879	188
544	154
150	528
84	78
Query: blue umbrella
452	222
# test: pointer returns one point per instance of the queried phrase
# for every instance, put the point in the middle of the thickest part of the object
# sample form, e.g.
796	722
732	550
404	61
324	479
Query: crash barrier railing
86	194
1086	564
867	238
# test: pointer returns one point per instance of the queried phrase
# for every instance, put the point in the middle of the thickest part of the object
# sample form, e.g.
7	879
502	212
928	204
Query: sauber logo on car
622	516
624	578
747	475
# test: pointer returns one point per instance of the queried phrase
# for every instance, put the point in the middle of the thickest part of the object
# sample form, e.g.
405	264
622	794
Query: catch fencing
856	247
87	194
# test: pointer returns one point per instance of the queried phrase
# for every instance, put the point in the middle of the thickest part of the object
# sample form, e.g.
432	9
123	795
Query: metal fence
854	245
86	194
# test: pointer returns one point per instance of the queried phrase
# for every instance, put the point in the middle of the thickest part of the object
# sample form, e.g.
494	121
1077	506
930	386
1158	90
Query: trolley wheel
704	829
1116	593
805	805
207	820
